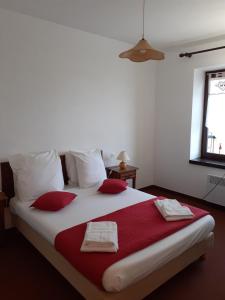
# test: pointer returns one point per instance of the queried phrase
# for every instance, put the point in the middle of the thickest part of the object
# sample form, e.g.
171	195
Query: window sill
208	163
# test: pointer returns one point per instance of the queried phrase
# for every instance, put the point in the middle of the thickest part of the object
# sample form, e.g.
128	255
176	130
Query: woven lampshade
142	51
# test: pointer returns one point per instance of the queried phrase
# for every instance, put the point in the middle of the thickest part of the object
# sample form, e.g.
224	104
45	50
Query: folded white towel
100	237
172	210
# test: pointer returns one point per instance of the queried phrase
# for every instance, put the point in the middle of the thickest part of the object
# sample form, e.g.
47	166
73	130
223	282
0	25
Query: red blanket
139	226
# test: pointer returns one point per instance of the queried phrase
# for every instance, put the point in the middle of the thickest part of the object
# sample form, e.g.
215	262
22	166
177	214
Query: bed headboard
7	177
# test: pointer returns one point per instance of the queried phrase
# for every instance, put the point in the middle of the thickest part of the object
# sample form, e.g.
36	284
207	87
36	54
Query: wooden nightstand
3	204
128	173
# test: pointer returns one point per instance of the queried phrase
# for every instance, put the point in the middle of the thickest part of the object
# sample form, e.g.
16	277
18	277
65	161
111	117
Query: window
213	129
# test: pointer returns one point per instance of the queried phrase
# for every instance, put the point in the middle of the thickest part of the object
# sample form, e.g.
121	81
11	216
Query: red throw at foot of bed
139	226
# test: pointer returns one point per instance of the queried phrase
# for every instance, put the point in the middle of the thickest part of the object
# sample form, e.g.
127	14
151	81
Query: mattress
90	204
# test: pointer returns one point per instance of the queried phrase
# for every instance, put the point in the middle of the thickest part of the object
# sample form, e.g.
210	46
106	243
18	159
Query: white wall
66	89
174	121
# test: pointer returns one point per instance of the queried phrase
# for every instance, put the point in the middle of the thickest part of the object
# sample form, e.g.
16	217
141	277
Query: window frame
204	153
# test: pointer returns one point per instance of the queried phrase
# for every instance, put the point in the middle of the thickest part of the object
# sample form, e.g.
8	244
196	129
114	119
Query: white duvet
91	204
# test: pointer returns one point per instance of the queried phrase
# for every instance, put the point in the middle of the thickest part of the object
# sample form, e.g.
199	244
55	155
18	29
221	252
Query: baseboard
174	193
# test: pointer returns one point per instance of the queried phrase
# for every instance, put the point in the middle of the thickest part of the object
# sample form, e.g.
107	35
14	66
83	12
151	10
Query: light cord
143	24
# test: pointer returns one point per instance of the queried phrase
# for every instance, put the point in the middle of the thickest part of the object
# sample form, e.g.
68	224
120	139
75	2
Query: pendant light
142	51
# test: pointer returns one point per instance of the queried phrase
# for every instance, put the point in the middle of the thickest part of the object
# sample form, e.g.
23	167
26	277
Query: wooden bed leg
202	257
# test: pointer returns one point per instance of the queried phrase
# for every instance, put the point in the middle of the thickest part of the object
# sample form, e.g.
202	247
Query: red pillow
53	201
113	186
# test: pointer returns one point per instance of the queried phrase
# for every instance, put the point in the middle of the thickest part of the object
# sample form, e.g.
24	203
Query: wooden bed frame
88	290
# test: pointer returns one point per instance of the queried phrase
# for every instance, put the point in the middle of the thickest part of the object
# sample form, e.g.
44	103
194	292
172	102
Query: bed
131	278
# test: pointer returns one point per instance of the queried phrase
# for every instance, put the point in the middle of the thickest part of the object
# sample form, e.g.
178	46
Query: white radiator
218	194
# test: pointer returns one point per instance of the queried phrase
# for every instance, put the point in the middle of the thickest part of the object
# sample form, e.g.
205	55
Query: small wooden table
128	173
3	203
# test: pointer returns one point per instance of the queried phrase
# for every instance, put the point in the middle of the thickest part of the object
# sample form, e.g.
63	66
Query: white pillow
90	168
36	173
71	168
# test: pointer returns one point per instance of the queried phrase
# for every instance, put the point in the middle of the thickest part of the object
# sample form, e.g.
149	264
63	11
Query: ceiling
168	22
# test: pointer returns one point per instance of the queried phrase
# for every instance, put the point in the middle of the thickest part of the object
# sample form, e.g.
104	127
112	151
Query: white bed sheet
90	204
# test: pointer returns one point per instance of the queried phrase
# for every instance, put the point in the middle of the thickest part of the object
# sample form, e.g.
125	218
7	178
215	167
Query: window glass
215	115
